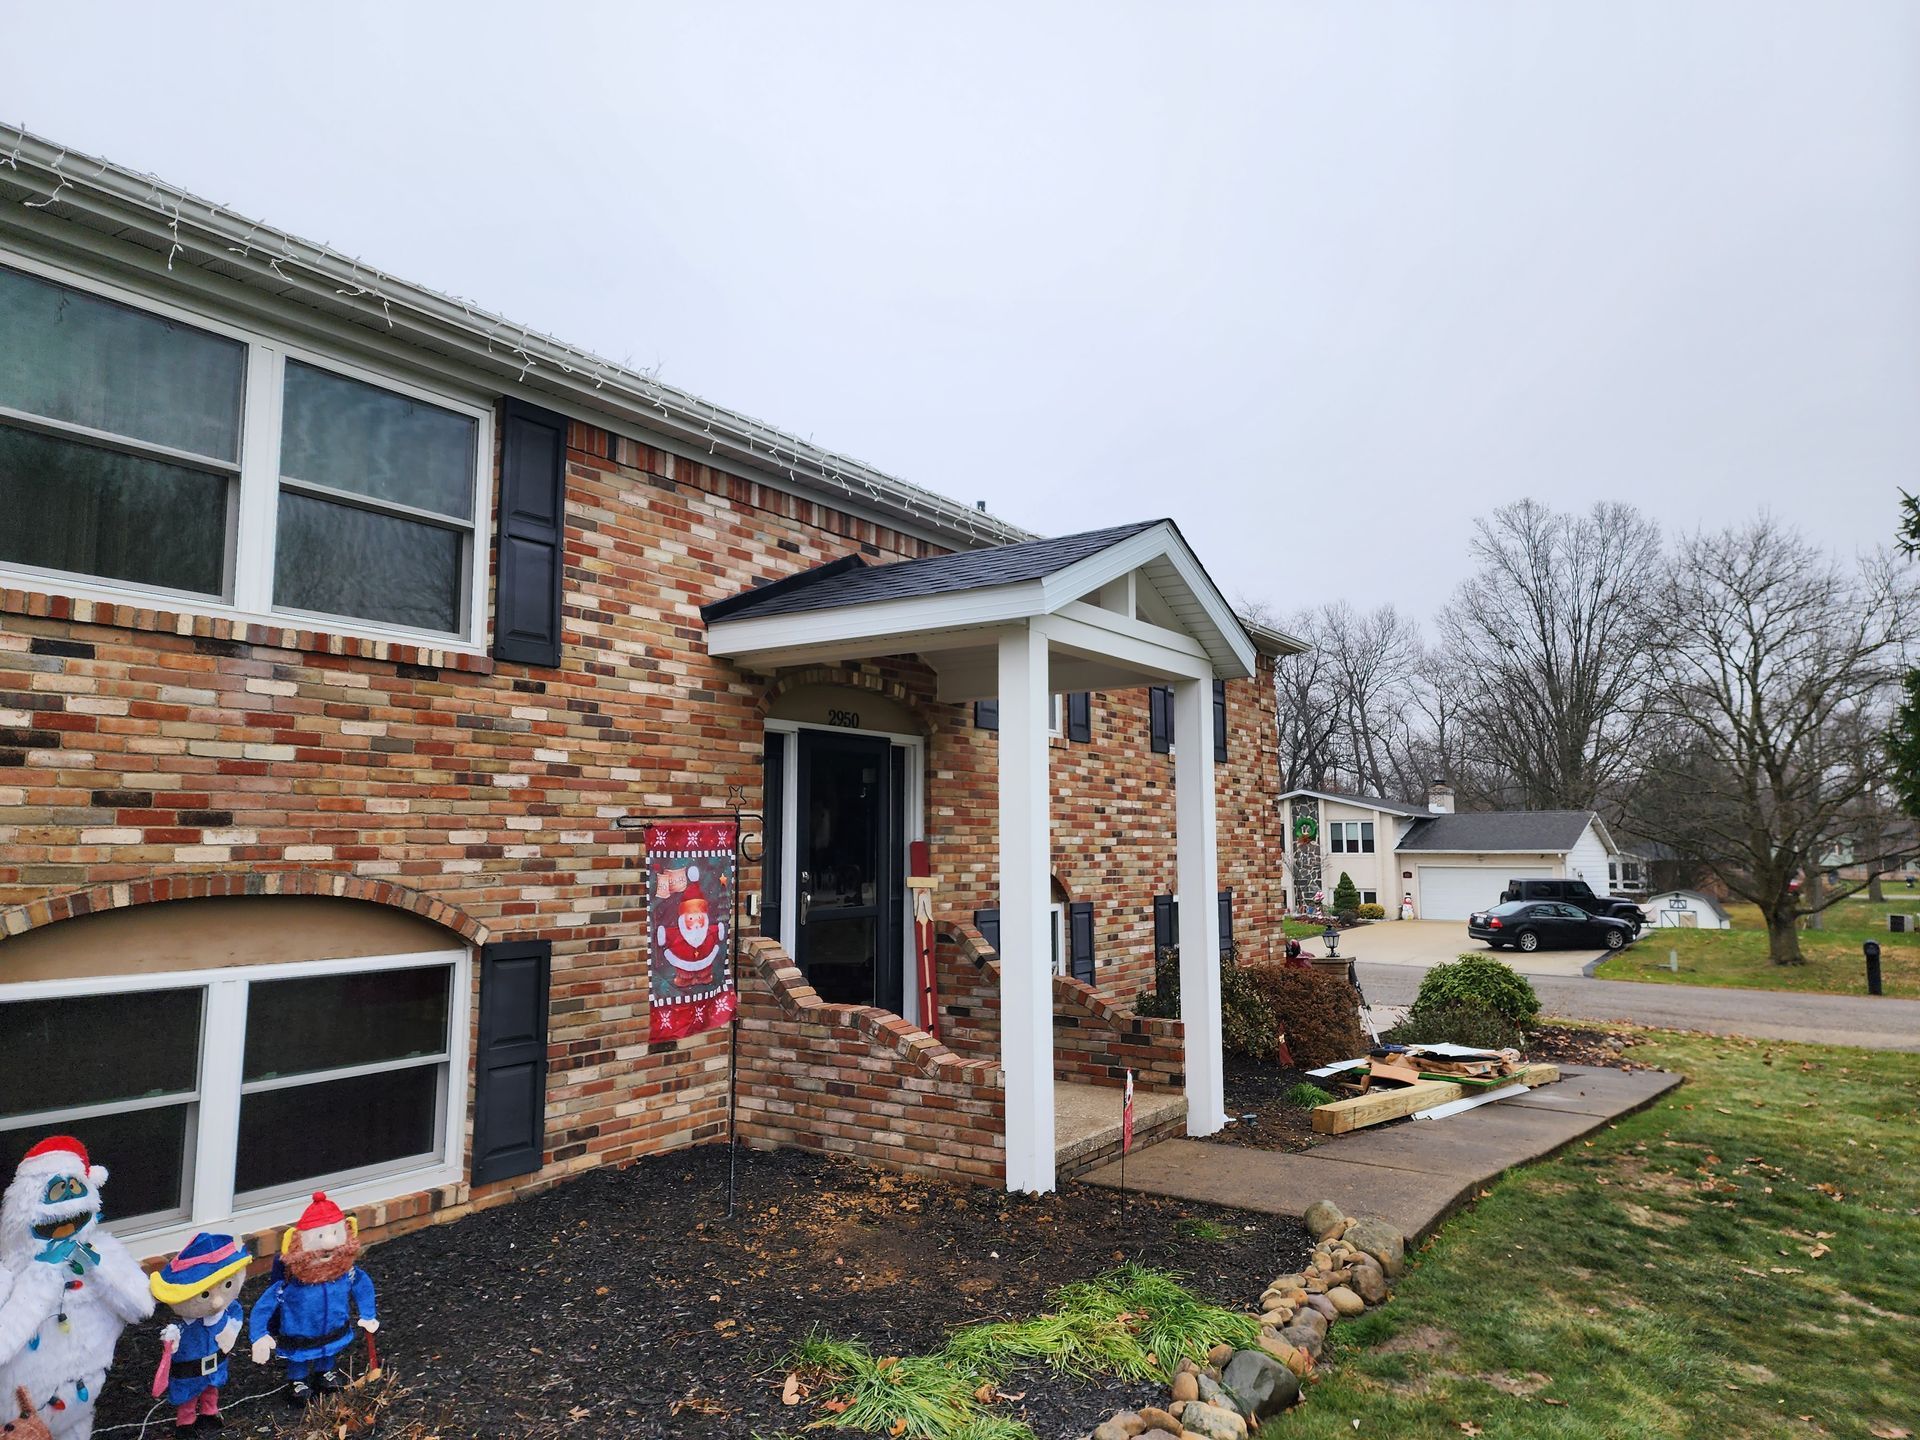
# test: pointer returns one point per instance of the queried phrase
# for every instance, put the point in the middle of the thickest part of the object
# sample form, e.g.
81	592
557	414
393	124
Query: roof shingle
838	583
1548	831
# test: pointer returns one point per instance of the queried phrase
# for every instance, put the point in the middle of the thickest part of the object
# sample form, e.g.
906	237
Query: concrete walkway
1873	1023
1413	1173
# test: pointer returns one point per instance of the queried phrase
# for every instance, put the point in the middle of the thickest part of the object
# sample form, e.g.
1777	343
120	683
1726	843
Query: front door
850	834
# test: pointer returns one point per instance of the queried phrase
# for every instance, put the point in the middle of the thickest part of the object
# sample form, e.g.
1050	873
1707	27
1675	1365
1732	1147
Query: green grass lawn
1738	957
1742	1259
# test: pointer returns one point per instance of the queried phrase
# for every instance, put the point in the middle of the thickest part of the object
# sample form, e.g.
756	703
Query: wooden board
1377	1106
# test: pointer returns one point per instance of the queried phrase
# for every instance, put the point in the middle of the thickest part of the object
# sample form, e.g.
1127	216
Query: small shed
1685	910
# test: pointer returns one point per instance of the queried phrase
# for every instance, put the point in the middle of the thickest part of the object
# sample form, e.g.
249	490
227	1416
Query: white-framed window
1350	837
1369	897
229	1095
1057	931
154	455
1056	715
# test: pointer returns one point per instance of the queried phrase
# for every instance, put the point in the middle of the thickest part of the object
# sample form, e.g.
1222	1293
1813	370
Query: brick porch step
1086	1123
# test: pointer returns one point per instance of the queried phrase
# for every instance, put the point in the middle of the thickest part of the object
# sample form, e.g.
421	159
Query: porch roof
1128	604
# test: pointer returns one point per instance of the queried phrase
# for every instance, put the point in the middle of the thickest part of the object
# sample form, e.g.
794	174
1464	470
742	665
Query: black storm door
848	858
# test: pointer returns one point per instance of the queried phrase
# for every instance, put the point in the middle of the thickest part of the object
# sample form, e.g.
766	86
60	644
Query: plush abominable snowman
67	1288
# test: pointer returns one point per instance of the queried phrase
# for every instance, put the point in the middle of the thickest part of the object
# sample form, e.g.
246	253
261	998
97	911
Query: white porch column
1199	882
1026	966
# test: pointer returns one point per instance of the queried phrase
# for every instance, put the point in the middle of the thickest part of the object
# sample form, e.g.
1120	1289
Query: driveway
1426	943
1873	1023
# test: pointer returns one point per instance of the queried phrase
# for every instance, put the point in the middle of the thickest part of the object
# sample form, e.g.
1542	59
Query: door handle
806	895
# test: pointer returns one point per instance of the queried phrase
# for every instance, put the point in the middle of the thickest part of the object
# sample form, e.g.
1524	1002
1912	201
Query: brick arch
207	885
850	677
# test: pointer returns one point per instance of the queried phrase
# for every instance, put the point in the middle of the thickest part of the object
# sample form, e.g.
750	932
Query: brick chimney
1440	798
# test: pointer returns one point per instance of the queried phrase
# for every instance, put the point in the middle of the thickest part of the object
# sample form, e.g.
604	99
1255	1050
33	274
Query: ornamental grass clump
1132	1322
927	1397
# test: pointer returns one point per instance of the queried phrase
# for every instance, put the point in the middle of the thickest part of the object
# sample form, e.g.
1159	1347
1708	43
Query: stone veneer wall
859	1081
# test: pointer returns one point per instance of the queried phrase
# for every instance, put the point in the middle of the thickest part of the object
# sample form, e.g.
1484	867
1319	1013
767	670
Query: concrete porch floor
1086	1121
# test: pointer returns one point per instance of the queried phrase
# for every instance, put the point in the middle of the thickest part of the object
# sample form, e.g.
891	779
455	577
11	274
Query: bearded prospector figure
318	1295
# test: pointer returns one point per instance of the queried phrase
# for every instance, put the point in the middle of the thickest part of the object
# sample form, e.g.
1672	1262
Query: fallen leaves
1889	1432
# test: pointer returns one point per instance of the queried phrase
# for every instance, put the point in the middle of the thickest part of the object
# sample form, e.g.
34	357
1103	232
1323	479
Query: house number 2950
847	719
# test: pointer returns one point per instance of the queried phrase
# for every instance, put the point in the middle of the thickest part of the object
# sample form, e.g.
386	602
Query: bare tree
1550	640
1778	682
1309	711
1374	657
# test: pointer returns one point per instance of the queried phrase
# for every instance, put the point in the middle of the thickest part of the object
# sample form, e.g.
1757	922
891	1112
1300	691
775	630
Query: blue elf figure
201	1285
318	1296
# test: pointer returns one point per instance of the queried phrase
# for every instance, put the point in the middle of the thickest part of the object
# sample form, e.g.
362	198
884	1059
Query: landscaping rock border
1354	1261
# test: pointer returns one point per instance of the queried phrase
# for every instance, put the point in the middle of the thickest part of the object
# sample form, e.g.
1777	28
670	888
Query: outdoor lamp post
1872	947
1332	936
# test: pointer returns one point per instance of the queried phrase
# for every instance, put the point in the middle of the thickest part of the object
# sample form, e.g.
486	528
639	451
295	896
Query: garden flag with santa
690	870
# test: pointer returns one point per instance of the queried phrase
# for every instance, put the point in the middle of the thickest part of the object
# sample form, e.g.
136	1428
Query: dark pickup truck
1576	892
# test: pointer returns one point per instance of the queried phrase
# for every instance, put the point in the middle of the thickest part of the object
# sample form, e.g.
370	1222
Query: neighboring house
1446	865
341	623
1685	910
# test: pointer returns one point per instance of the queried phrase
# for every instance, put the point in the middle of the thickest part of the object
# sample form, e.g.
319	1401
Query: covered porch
1017	624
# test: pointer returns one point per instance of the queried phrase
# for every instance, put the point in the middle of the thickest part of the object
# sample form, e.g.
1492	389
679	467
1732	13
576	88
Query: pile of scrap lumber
1427	1081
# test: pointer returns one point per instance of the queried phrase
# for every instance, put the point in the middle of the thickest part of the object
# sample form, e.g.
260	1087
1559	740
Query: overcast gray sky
1321	281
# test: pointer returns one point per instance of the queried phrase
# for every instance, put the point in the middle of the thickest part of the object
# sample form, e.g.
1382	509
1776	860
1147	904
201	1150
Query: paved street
1876	1024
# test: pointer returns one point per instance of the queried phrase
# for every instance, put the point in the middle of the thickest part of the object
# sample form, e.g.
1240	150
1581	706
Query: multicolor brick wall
853	1080
139	745
1095	1041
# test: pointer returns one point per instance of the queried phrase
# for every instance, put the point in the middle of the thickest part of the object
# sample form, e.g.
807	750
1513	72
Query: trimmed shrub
1373	912
1456	1022
1246	1023
1480	980
1348	917
1346	895
1320	1013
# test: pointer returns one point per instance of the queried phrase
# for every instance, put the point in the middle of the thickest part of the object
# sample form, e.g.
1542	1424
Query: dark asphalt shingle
1538	830
839	583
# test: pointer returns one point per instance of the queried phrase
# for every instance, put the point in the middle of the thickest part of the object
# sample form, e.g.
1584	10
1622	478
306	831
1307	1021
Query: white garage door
1453	892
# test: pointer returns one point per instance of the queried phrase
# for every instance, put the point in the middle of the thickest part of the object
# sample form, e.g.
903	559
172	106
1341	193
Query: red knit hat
61	1155
320	1213
694	899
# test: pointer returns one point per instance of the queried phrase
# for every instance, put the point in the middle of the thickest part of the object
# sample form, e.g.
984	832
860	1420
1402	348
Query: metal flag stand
736	795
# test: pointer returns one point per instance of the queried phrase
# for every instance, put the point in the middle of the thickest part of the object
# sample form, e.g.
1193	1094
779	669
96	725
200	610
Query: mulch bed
625	1304
1257	1105
1582	1045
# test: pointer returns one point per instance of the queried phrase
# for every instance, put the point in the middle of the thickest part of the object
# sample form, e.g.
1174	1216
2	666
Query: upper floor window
1350	837
140	451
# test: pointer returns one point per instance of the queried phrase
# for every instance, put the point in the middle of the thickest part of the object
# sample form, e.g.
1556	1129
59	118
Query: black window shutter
1226	921
987	922
1220	721
533	464
1166	923
1080	940
510	1071
1080	716
1160	718
986	714
773	792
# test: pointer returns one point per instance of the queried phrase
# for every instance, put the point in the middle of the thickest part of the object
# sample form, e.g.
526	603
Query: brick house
341	623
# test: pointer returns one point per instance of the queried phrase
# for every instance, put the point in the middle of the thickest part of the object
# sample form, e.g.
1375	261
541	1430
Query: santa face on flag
695	939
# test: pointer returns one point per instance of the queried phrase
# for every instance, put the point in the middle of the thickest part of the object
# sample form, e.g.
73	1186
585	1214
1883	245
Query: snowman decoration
694	938
67	1288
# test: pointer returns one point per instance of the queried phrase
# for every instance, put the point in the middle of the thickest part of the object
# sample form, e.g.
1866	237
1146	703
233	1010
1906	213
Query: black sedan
1547	924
